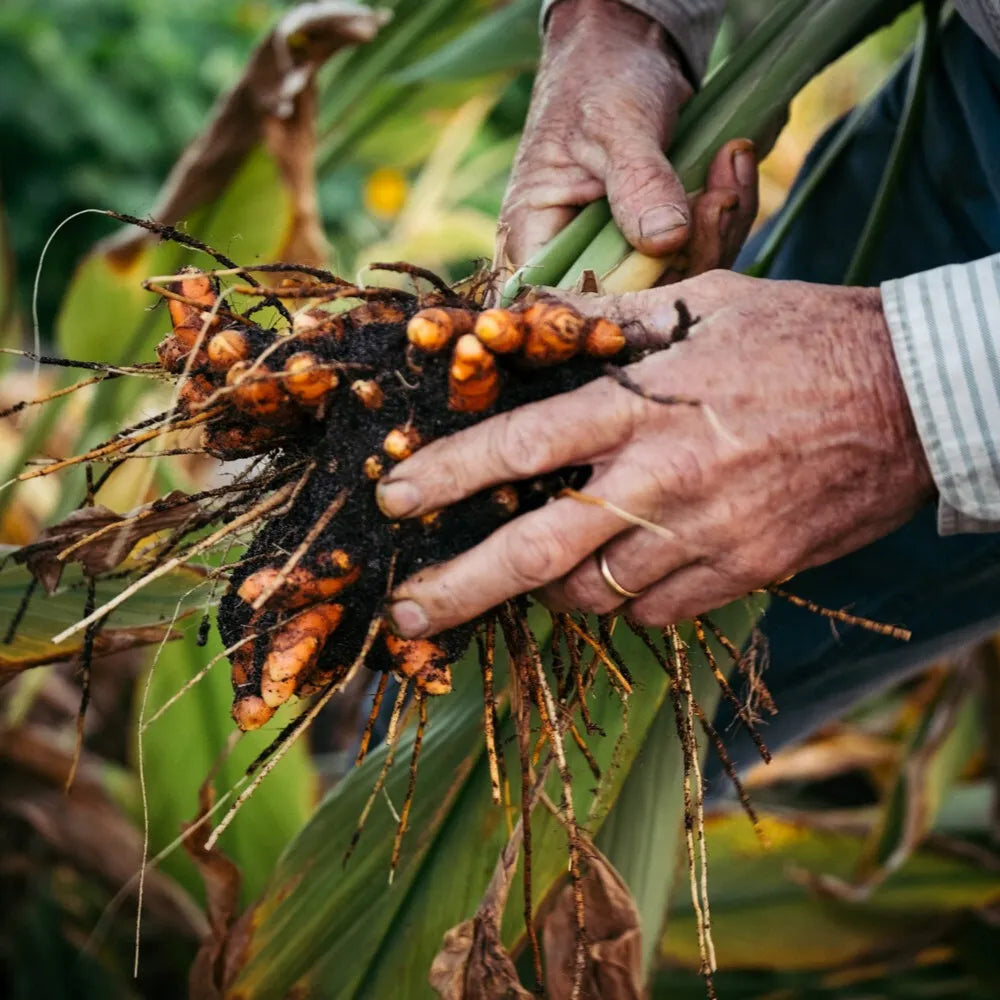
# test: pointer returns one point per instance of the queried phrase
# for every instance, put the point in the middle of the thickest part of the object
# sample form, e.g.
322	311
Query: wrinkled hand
603	110
803	449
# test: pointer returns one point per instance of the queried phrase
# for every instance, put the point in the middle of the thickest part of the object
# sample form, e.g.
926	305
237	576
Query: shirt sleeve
945	327
692	24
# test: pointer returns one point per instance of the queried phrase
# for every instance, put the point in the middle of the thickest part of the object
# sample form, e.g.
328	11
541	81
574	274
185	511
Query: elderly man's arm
945	327
691	26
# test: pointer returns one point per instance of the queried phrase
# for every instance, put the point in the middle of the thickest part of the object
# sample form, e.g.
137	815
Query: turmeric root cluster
539	335
328	399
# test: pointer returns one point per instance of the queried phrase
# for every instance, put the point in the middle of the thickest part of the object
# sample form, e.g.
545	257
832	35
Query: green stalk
554	259
860	265
342	139
740	99
369	66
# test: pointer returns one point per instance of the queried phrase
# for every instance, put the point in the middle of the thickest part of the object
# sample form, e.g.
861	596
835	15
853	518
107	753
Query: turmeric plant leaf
356	935
141	620
766	916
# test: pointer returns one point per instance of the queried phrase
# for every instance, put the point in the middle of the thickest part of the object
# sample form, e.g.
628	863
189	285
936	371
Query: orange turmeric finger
294	651
227	347
194	393
432	330
172	353
401	442
241	666
250	711
311	325
308	380
187	318
505	500
555	333
604	339
473	379
369	392
376	311
501	330
255	391
422	660
296	589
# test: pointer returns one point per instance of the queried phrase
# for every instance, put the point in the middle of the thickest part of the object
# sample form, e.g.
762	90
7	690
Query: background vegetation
880	880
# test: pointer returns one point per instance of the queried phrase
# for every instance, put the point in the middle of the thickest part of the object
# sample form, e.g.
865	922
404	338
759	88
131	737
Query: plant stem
860	265
790	211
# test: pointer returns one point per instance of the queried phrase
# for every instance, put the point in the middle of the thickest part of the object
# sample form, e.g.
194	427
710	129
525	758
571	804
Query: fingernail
408	619
660	220
743	165
397	499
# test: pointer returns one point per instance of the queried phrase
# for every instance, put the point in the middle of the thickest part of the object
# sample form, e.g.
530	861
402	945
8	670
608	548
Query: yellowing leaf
139	621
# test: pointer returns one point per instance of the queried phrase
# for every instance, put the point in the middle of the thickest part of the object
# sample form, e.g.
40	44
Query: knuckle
679	474
643	179
443	477
533	556
520	447
651	615
709	281
585	594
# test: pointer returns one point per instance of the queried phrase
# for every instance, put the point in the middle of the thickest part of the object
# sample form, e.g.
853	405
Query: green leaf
765	916
106	315
355	935
325	920
181	747
8	325
47	615
252	219
943	737
476	53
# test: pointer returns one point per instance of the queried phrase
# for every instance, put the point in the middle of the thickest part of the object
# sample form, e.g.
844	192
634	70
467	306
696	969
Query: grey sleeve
692	24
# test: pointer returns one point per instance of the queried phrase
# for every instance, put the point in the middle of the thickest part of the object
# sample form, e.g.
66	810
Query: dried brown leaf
944	734
115	536
613	951
222	896
473	963
106	642
84	826
838	749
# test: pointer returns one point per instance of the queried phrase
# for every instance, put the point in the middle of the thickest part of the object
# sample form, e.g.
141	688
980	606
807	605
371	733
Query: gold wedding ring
609	579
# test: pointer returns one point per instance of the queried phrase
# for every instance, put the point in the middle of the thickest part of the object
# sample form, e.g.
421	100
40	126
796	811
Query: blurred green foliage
98	99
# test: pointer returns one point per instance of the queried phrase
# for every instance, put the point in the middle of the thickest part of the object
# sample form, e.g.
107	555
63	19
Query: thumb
646	196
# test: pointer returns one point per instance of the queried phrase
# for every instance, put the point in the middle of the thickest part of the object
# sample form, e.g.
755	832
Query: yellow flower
385	192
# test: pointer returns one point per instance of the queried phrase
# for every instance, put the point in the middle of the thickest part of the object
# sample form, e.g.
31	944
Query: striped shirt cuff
945	327
692	24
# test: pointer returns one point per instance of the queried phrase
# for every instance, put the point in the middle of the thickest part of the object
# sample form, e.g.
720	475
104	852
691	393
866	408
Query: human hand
803	449
603	109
